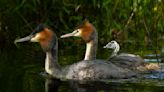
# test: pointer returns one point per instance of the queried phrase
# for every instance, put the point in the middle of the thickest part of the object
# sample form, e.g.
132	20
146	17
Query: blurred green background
138	23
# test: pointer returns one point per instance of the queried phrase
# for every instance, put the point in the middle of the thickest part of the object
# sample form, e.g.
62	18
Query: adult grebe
131	61
89	34
92	70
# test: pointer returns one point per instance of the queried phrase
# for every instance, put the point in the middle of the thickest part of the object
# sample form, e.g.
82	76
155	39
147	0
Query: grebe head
113	45
85	30
41	34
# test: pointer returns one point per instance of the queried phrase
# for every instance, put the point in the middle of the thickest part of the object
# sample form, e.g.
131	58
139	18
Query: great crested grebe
82	70
89	34
131	61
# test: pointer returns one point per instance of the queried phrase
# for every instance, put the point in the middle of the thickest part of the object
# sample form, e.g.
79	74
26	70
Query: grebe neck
91	48
51	62
115	51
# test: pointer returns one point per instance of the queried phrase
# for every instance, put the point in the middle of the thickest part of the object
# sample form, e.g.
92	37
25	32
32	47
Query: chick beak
105	47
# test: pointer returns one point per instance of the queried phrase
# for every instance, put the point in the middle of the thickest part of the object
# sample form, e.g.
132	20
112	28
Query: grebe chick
130	61
82	70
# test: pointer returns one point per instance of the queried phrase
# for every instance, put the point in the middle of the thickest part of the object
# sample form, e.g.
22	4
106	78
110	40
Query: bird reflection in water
56	85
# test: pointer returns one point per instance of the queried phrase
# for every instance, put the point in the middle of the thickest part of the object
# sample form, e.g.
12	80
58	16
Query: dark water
22	71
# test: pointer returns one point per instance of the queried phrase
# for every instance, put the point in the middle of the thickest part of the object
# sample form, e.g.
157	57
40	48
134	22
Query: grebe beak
27	38
67	35
74	33
108	45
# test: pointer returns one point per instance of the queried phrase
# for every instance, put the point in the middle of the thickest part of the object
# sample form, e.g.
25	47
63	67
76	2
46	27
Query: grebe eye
112	42
77	30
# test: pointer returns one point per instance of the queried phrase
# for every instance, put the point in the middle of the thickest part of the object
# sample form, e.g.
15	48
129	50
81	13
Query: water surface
22	71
